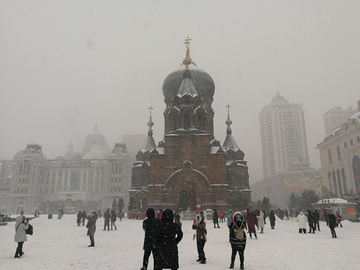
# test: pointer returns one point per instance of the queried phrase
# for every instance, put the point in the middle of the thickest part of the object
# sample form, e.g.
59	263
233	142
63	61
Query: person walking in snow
302	219
21	225
260	219
237	239
169	237
216	219
83	216
311	222
272	219
201	236
332	223
221	216
78	218
107	220
338	218
91	225
151	226
316	217
113	219
250	223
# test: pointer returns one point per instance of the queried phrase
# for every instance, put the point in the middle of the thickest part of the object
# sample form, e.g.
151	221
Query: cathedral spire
150	123
187	61
228	121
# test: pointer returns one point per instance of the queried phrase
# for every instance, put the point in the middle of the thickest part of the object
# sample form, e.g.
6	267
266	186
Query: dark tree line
303	202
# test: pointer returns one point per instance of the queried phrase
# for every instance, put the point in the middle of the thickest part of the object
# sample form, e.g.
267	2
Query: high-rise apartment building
283	137
336	117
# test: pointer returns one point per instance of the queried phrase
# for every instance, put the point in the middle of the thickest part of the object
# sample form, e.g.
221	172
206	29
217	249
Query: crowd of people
163	231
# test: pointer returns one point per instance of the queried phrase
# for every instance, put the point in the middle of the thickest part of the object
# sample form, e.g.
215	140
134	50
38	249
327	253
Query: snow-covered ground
61	244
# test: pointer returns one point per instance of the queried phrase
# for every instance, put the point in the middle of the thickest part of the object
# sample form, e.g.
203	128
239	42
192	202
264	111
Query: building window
343	176
351	142
339	182
358	139
338	152
334	183
345	144
329	152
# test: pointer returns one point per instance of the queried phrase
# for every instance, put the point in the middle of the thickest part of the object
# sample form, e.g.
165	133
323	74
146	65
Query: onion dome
200	80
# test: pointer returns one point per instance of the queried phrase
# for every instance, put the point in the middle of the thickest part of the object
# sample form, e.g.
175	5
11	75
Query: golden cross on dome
150	108
228	106
150	123
187	42
228	121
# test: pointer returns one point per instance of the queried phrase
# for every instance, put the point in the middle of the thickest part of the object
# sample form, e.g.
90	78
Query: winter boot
203	261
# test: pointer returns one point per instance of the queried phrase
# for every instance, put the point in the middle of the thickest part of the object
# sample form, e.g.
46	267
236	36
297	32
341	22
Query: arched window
343	176
356	171
339	182
334	183
329	152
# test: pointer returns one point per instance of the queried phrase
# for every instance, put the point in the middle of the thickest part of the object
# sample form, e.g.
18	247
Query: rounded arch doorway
187	200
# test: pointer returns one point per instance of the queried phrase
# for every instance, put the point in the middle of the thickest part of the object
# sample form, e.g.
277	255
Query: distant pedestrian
113	219
237	239
338	218
91	225
181	218
316	217
83	216
169	237
151	226
311	222
107	220
272	219
261	223
21	225
332	223
250	223
201	236
302	219
78	218
221	216
216	219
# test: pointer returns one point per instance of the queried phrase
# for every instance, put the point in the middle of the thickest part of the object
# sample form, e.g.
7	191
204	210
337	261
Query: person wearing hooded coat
251	223
151	226
237	244
91	225
272	219
20	234
332	222
200	226
302	219
260	219
169	237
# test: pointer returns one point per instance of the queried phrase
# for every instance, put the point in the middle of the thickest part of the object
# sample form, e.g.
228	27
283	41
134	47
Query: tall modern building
336	117
283	137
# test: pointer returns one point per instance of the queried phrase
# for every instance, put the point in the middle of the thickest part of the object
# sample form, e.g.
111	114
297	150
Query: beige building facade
340	159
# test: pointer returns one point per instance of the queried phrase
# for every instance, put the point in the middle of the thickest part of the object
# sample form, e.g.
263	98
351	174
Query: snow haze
67	65
61	244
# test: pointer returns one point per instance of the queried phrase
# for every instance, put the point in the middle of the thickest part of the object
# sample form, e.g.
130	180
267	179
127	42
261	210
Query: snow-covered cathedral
189	168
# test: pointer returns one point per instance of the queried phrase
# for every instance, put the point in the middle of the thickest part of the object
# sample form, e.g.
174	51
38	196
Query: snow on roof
333	200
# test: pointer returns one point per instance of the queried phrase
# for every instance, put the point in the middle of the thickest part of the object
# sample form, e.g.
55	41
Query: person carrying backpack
21	225
237	239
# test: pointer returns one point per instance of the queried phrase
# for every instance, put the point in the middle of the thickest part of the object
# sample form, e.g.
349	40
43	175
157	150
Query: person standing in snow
83	216
316	217
250	221
107	220
91	225
21	226
200	226
237	239
113	219
151	227
302	219
332	222
338	218
311	222
78	218
216	219
272	219
221	216
260	219
169	237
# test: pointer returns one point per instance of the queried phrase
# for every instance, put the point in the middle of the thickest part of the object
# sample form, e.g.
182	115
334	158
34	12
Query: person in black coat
169	238
311	222
272	219
79	216
113	219
107	220
216	219
332	222
151	226
237	239
316	217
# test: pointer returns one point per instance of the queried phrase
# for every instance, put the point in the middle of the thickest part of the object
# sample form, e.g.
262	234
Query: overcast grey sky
67	65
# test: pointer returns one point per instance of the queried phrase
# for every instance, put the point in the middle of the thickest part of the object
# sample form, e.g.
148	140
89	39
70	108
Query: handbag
30	230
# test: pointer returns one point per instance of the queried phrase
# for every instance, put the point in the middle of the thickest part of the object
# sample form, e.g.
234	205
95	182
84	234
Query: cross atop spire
187	61
150	123
228	121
